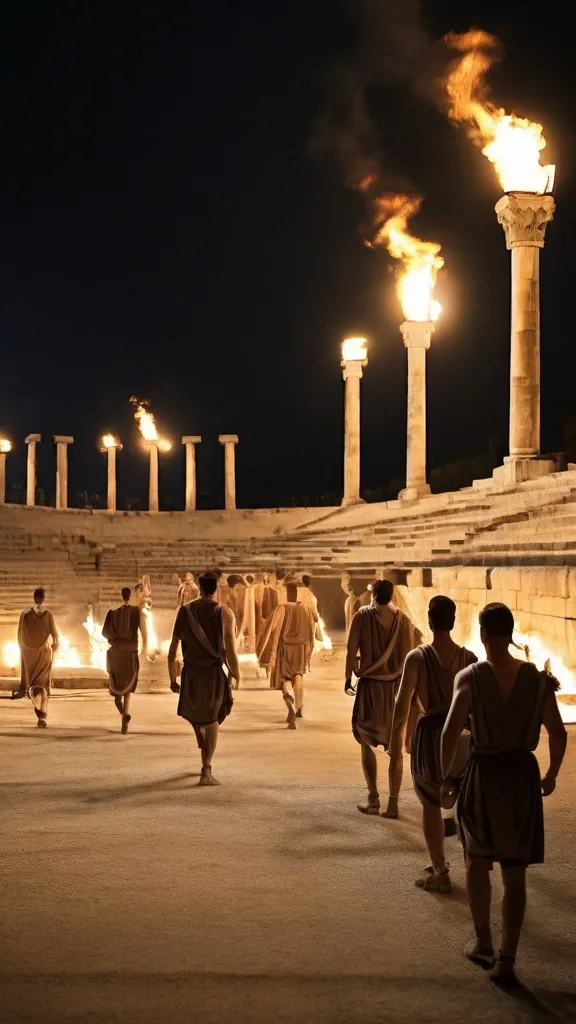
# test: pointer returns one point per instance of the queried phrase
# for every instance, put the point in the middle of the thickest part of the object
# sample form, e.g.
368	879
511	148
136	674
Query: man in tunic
285	649
35	629
120	629
352	603
383	636
500	806
309	599
427	685
188	590
206	631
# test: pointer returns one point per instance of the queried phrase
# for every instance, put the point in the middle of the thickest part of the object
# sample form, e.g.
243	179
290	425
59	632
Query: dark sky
166	232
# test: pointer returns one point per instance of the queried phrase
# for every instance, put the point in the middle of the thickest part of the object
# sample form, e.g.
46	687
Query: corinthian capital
524	217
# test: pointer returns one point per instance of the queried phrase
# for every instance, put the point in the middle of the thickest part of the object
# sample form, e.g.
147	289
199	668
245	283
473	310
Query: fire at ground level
269	898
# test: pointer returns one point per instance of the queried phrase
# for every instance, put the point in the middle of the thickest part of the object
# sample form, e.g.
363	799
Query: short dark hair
382	591
208	582
39	594
291	591
306	580
126	593
139	586
280	573
496	619
441	613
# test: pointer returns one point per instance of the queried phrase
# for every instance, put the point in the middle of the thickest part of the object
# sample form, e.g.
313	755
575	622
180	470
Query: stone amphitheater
486	542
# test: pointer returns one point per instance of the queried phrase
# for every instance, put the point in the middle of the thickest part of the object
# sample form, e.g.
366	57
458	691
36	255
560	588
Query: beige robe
286	643
34	632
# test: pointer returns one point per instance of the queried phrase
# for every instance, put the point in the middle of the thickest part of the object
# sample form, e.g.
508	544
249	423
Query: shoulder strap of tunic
200	635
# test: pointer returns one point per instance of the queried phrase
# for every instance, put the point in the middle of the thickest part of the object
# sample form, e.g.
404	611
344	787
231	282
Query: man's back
36	627
298	625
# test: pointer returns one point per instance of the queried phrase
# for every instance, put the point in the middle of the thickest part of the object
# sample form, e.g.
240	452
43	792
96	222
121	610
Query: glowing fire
98	644
354	350
327	644
513	144
109	441
5	446
421	260
66	656
536	651
11	655
147	424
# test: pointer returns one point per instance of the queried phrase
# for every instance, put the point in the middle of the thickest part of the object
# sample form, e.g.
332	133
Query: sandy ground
131	895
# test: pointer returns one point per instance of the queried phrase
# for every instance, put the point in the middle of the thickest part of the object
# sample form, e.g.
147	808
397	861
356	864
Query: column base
415	492
518	470
347	502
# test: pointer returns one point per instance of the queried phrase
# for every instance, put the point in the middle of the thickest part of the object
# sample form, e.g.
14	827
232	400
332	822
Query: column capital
524	217
33	438
191	439
63	439
417	333
352	367
228	438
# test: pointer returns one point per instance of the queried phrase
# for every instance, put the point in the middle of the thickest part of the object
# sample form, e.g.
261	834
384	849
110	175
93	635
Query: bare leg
289	701
125	716
513	908
40	701
479	891
199	733
370	769
433	826
210	741
298	687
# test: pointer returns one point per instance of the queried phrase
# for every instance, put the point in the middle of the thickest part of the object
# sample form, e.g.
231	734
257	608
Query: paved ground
131	895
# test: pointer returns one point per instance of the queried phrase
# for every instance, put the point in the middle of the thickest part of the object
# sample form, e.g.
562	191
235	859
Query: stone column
524	217
111	446
416	335
153	493
5	447
229	441
32	440
62	441
191	440
352	374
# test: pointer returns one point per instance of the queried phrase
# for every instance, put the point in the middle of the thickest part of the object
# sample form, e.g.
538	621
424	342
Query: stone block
506	578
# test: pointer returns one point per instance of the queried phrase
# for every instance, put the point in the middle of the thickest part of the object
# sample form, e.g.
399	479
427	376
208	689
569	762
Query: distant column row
111	445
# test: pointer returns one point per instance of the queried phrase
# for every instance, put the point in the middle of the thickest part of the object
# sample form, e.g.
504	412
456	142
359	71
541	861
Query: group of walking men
470	727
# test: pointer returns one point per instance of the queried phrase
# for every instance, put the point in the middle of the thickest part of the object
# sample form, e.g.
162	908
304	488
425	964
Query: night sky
168	230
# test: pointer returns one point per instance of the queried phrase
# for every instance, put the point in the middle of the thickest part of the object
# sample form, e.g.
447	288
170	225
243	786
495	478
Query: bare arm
173	650
143	630
54	633
557	739
408	684
229	631
352	648
455	722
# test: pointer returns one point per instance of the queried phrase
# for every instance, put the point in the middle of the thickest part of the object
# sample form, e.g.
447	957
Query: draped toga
434	695
120	629
287	643
205	695
500	806
379	667
34	630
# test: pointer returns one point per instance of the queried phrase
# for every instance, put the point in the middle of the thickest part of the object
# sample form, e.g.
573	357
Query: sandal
431	882
504	973
480	953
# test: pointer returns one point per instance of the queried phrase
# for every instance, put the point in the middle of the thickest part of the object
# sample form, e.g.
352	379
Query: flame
327	644
147	424
354	350
109	441
11	655
513	144
98	643
421	260
544	658
5	446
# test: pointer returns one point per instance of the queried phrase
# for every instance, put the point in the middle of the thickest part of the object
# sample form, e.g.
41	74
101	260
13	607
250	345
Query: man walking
120	629
35	628
500	806
428	683
286	647
383	636
206	631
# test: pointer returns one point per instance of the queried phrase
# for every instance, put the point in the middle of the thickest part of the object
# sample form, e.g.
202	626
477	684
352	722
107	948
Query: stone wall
543	600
